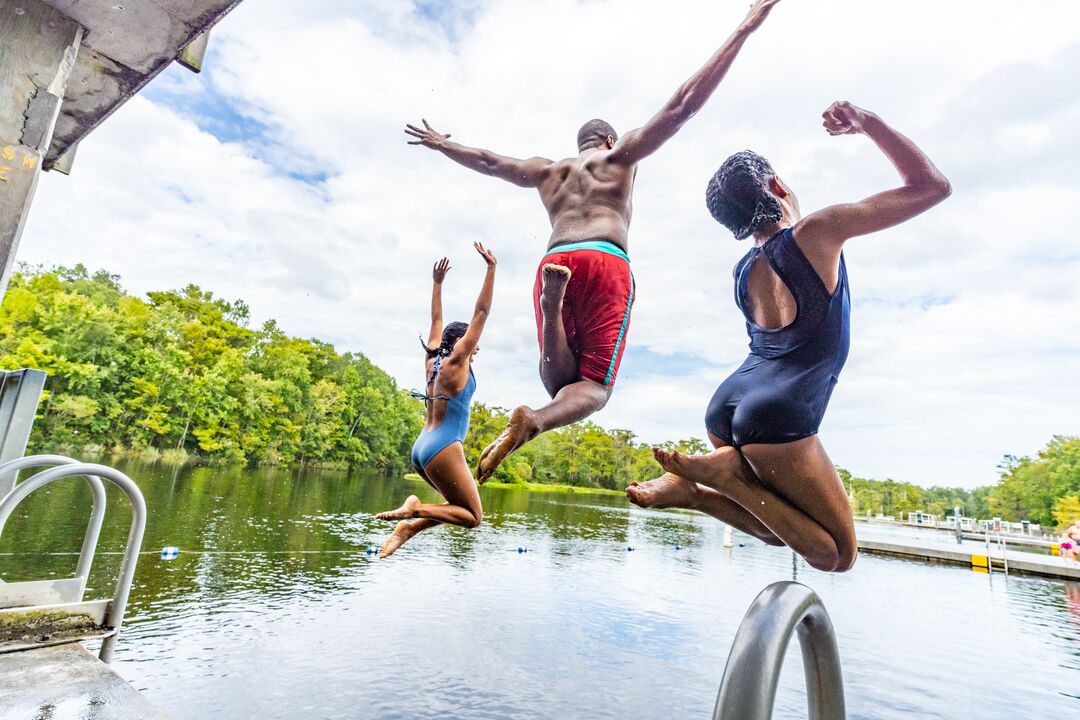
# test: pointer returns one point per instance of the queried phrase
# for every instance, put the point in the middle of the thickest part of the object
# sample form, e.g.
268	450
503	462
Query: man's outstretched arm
523	173
691	96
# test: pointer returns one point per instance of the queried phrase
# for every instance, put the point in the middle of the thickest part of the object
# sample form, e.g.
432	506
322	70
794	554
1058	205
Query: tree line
182	372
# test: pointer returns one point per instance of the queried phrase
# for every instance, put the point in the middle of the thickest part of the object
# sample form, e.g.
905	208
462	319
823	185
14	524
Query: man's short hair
594	132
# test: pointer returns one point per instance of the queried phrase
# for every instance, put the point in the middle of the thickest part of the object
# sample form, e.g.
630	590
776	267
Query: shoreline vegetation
180	376
537	487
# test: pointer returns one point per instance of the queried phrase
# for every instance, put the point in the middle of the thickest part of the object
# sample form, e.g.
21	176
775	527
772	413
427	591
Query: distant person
584	289
437	453
1069	540
770	476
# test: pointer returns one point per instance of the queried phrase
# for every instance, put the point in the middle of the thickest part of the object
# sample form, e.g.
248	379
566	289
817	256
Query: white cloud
965	344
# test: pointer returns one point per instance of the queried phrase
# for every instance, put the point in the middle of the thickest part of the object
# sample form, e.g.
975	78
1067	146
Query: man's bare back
588	200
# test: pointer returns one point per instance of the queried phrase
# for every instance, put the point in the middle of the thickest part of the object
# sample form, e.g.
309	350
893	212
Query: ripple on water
460	625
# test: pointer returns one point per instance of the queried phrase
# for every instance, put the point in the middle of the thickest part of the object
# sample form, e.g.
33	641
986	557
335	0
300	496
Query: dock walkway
65	682
1019	562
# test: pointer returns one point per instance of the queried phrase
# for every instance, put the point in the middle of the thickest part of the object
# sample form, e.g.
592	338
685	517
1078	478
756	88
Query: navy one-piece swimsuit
780	393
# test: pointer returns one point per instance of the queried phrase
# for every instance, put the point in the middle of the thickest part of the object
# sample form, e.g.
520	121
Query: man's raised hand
758	12
427	137
438	273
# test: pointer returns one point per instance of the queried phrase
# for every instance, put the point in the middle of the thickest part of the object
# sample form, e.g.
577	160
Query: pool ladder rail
748	688
64	597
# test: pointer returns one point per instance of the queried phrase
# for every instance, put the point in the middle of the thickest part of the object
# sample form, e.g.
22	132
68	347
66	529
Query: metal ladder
748	689
20	392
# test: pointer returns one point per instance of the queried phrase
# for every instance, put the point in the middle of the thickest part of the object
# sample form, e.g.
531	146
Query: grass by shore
539	487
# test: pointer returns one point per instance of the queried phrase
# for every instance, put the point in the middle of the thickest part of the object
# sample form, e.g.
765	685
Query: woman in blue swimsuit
438	454
770	476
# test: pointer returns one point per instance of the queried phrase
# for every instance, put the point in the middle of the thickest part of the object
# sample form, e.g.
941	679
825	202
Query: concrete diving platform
66	682
1018	562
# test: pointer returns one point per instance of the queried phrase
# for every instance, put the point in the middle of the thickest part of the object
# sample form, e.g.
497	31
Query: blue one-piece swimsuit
454	426
780	393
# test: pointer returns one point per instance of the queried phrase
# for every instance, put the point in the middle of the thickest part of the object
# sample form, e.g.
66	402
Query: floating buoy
170	552
522	550
629	549
678	547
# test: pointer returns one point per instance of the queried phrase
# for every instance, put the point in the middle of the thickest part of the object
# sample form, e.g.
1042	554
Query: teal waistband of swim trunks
604	246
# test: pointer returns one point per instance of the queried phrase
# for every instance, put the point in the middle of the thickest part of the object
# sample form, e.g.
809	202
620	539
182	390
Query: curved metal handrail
118	605
97	509
748	689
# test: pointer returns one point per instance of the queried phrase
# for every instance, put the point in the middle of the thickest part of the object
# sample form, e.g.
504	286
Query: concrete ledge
67	683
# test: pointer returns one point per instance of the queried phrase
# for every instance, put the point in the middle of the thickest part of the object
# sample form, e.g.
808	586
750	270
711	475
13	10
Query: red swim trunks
596	309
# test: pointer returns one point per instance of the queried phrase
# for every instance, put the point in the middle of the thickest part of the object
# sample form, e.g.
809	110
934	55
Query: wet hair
594	132
450	335
739	197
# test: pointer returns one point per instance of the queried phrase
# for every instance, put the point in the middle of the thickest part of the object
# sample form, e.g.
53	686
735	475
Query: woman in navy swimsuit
438	454
770	476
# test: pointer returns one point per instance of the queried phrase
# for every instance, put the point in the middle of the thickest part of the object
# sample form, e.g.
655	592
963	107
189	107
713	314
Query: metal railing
20	391
748	689
66	595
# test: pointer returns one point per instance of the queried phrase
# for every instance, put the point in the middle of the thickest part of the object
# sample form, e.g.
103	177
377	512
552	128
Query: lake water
274	609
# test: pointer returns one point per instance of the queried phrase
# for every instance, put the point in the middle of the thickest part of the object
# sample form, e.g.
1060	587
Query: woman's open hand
488	256
438	273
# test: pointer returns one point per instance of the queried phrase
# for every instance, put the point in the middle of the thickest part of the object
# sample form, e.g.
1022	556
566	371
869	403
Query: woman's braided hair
450	335
738	195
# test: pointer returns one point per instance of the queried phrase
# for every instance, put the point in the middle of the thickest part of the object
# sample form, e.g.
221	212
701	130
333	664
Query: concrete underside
67	683
126	45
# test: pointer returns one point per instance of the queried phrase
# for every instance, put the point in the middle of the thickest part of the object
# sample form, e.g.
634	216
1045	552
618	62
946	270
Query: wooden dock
65	682
1019	562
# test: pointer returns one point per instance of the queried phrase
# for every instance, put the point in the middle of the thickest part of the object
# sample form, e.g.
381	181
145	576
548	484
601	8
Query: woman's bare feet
401	535
666	491
521	429
407	510
716	470
554	287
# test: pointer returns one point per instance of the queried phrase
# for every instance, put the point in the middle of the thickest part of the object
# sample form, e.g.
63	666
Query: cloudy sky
281	176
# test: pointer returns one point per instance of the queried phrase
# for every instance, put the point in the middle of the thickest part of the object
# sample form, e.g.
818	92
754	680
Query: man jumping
584	288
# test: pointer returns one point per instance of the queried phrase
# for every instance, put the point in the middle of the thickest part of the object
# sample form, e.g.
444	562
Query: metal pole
748	689
20	393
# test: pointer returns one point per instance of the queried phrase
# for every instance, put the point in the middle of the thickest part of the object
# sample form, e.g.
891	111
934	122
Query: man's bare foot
666	491
555	279
521	429
715	470
407	510
401	535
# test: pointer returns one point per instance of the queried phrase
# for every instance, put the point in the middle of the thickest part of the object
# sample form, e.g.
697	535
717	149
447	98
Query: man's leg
572	398
558	366
574	402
